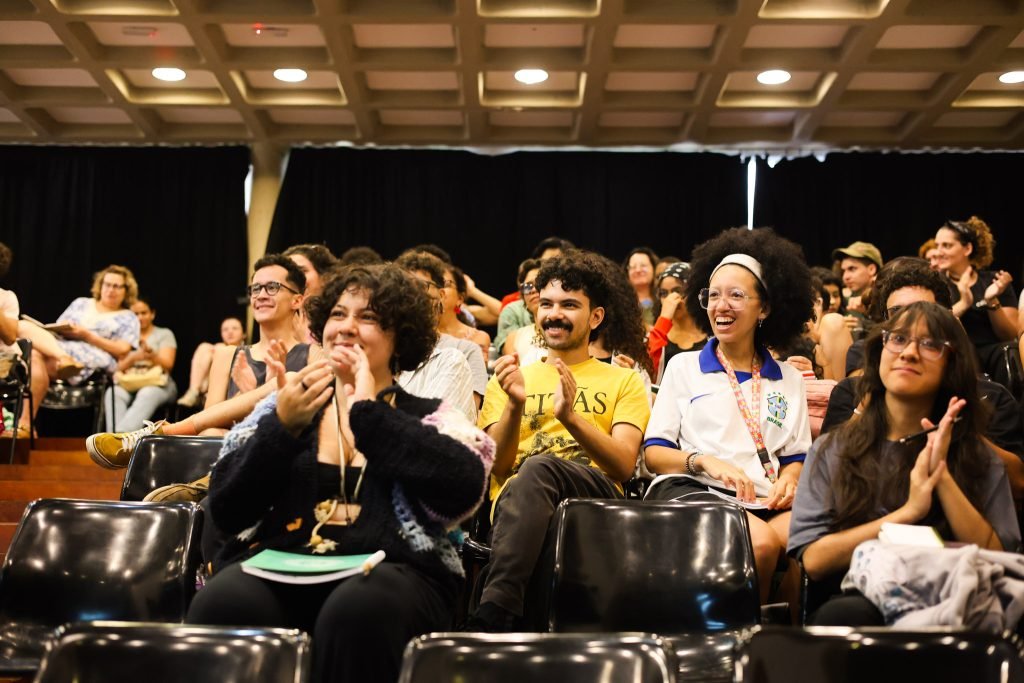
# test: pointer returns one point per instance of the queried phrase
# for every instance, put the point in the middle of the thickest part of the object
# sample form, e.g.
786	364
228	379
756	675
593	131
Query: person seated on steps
232	333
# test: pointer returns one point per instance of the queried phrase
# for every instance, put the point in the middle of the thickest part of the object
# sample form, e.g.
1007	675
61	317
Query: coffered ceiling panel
868	73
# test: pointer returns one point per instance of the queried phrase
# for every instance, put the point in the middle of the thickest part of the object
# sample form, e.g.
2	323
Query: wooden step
11	510
49	443
79	458
88	490
35	472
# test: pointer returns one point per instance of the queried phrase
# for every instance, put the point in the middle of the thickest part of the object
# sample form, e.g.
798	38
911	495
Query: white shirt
9	309
445	375
696	410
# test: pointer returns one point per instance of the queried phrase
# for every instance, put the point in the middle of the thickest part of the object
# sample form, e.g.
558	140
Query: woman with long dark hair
919	373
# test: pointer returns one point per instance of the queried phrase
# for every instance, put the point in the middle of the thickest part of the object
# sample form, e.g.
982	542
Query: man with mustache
567	427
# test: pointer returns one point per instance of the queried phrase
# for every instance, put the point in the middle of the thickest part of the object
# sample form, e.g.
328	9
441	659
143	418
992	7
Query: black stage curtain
175	217
490	211
896	201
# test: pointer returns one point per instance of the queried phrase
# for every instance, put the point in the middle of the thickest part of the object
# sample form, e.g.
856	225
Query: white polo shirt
696	410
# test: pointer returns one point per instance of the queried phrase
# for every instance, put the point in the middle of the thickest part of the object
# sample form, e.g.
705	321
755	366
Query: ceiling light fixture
1012	77
531	76
773	77
139	31
168	73
290	75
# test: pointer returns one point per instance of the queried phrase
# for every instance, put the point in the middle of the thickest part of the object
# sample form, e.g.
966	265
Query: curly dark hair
606	285
623	330
411	260
6	256
319	256
974	231
788	298
402	307
360	256
859	486
295	277
907	271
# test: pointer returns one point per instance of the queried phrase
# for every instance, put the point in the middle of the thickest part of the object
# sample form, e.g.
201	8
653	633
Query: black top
671	349
419	483
1005	429
975	320
298	357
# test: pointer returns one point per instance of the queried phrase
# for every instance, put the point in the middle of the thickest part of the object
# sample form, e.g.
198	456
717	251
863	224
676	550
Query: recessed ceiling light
773	77
290	75
168	73
531	76
1012	77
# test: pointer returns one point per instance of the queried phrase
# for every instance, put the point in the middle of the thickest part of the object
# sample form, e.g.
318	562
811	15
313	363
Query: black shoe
490	618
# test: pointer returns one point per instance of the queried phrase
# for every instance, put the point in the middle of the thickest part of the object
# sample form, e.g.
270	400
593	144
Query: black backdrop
489	211
896	201
176	217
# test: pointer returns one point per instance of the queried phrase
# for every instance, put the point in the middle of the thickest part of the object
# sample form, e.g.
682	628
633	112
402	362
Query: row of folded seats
615	570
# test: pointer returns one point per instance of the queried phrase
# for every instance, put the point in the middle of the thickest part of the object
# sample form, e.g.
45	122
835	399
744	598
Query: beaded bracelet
689	462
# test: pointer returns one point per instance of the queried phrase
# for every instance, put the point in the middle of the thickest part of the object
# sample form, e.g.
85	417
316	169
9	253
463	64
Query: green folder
298	568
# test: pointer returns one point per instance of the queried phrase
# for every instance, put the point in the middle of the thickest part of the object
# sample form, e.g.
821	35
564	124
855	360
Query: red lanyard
751	419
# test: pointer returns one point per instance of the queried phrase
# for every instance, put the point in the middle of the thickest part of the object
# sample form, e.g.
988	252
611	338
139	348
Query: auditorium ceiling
908	74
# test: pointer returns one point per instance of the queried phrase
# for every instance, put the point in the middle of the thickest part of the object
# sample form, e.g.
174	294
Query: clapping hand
363	386
565	392
510	379
304	393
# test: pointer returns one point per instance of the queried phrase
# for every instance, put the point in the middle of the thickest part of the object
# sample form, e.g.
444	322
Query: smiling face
352	322
641	270
566	318
953	256
231	331
267	307
113	289
905	373
313	284
734	316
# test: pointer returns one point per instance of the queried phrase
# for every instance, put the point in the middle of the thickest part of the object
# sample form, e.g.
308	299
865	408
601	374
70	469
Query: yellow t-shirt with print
605	395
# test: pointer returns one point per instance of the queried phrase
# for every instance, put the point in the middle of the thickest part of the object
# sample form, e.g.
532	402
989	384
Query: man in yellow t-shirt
567	427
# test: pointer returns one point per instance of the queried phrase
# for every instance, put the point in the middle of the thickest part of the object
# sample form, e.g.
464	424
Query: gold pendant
343	514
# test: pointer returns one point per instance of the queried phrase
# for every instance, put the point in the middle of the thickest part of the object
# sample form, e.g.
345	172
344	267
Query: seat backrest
161	460
879	655
537	658
79	560
119	652
624	565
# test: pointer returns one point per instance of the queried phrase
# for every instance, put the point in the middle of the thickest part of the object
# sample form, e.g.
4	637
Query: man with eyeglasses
901	282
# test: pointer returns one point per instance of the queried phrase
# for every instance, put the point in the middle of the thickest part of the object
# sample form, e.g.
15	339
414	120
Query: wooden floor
55	468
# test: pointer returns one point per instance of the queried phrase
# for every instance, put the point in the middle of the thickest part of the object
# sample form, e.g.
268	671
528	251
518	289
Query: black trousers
359	625
521	519
849	609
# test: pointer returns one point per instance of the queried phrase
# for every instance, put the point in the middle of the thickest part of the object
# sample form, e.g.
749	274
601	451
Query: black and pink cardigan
427	470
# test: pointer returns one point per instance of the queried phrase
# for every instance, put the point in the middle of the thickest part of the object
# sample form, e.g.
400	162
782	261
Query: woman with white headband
729	421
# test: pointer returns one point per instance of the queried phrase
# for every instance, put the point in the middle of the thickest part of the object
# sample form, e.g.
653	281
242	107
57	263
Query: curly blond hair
976	232
131	292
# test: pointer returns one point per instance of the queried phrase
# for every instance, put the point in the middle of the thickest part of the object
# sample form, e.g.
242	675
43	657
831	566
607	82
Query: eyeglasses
527	288
930	349
736	298
662	293
272	288
427	285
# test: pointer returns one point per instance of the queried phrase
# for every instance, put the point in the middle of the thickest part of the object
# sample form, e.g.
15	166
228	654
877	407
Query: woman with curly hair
878	467
339	460
987	304
730	418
